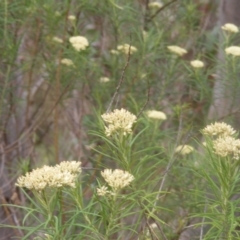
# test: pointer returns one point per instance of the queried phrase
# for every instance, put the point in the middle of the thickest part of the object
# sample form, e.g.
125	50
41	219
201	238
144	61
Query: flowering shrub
79	42
229	27
197	64
69	71
119	121
61	175
126	48
156	115
177	50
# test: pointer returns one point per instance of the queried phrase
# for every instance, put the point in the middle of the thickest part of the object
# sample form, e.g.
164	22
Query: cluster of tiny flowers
197	64
229	27
79	42
102	191
126	48
67	62
177	50
70	166
156	115
104	79
114	52
57	39
71	18
184	149
63	174
119	121
218	129
233	50
227	146
57	14
117	179
155	5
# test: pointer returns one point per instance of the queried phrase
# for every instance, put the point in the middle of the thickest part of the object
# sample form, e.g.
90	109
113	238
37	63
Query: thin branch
146	15
161	9
150	230
31	72
57	90
171	161
161	231
148	97
121	80
24	133
9	215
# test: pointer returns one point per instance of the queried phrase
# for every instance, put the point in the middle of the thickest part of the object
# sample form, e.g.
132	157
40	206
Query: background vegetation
50	112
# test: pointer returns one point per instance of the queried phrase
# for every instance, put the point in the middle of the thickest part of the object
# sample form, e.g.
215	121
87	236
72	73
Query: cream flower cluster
219	129
71	18
155	5
70	166
225	143
184	149
126	48
177	50
67	62
197	64
233	50
102	191
57	39
63	174
229	27
119	121
114	52
117	179
156	115
79	42
227	146
104	79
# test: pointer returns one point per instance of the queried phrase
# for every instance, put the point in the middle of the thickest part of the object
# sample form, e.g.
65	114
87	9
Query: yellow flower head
177	50
197	63
102	191
155	5
119	121
104	79
71	18
67	62
218	129
117	179
184	149
126	48
233	50
79	42
156	115
229	27
57	39
114	52
227	146
63	174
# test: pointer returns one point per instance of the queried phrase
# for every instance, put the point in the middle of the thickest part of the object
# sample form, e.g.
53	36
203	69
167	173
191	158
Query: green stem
4	89
5	19
78	199
111	219
225	187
